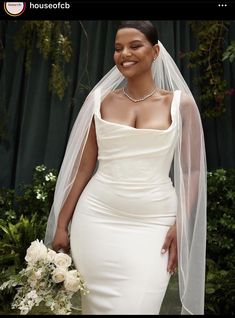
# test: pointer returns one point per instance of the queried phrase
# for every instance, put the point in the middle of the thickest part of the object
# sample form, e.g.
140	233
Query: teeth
126	64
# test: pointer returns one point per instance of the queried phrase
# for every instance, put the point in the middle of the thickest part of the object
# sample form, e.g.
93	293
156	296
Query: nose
126	52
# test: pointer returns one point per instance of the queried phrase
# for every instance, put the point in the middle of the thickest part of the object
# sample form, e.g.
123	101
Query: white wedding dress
122	217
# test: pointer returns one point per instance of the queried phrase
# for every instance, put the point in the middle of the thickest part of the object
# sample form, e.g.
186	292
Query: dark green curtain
36	124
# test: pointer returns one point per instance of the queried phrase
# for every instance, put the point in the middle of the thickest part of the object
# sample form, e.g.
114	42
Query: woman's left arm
191	143
170	245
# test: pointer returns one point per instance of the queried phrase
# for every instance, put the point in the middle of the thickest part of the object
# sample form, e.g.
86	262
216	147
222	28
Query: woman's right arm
85	171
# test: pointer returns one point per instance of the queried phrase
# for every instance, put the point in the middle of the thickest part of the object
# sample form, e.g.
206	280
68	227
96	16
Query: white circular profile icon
14	9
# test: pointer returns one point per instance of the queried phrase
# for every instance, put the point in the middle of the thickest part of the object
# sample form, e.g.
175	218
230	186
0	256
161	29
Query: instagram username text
57	5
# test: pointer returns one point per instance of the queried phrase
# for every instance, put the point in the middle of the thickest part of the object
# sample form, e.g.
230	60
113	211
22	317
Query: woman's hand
61	240
170	244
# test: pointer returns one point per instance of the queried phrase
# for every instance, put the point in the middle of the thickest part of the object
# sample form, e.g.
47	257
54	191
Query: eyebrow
134	41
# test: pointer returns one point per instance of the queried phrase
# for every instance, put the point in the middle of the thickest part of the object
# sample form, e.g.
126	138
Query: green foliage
53	41
220	284
16	238
208	58
14	241
229	54
23	216
29	199
7	204
220	287
37	197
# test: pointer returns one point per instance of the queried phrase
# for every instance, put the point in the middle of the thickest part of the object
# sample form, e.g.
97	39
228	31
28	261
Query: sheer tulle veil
189	175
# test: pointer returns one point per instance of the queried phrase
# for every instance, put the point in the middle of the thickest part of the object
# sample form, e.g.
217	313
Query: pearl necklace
140	99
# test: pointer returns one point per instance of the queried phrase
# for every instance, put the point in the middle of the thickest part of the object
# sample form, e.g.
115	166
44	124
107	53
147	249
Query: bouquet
48	278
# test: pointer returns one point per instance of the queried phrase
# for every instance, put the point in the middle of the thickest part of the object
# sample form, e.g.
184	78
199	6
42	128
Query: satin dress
122	218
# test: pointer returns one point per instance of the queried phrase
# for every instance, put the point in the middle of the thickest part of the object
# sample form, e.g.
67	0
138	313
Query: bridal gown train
122	217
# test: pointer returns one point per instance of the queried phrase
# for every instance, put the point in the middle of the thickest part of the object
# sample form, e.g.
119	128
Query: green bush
29	199
15	239
23	216
24	212
220	283
7	208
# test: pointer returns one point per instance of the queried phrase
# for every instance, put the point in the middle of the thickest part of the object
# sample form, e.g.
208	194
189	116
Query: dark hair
145	27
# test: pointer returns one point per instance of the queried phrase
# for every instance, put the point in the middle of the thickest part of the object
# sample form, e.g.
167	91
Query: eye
135	47
117	49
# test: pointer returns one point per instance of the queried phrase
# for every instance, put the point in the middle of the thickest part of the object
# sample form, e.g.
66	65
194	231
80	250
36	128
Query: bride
128	220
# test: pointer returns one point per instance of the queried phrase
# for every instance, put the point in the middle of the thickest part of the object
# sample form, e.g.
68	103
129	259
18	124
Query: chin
128	73
125	72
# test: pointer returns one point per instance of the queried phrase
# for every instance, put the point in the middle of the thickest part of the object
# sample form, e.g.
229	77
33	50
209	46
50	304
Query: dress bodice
129	154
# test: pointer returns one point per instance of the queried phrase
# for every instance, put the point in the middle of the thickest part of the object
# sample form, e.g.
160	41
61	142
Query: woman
125	216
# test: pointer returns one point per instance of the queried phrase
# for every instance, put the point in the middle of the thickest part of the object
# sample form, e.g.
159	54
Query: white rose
73	273
72	281
59	274
62	260
35	252
51	255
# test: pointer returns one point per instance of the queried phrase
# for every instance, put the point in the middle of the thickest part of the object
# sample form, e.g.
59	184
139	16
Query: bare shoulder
166	96
164	92
111	99
186	98
188	107
186	101
111	96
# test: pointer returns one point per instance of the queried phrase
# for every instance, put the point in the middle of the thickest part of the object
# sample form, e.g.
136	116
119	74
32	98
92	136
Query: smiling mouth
128	64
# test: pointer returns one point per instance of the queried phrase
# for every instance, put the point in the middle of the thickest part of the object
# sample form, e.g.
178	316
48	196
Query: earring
154	59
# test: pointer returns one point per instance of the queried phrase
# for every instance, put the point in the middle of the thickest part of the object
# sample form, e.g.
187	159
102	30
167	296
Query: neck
139	87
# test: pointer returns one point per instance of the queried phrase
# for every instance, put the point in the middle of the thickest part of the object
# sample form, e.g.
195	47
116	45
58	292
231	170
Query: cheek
115	57
148	60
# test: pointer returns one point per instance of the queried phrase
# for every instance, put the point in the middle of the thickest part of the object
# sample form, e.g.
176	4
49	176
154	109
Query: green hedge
23	215
220	282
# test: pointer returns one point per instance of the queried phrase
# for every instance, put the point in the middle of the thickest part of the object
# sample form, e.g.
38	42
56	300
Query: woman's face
133	54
